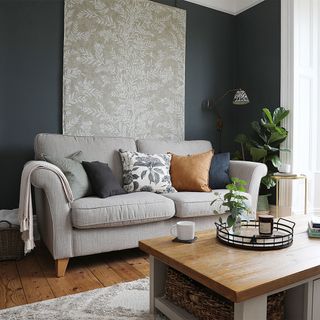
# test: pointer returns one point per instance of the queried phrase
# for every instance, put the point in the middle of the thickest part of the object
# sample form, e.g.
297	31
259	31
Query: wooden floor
33	278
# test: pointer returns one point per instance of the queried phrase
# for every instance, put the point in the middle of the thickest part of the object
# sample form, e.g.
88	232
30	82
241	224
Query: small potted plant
235	202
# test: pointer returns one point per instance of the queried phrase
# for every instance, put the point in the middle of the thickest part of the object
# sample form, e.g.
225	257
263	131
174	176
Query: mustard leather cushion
191	173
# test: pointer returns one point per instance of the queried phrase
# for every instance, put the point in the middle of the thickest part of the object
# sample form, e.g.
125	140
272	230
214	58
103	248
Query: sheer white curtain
300	91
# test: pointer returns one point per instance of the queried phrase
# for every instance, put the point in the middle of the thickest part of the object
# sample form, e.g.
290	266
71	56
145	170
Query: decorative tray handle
288	221
250	239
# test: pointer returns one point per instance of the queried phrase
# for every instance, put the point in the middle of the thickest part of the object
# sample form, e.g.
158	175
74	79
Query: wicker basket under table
206	304
11	244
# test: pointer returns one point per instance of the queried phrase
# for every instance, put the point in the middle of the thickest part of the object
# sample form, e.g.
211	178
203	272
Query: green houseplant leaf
268	181
241	138
234	200
231	220
276	136
264	145
269	148
275	160
279	114
268	115
258	154
255	125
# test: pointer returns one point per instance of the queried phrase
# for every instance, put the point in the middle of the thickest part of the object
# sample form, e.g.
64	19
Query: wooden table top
239	274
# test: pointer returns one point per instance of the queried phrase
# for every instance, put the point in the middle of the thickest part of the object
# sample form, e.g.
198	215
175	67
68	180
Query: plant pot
263	203
236	228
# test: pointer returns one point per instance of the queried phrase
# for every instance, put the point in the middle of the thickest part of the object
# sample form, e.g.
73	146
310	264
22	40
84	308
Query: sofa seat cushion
120	210
197	204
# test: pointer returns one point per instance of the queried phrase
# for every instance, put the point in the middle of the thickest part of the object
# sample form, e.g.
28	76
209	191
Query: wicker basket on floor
11	244
206	304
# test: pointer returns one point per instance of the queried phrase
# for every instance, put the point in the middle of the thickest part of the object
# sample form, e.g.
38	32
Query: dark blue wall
31	34
31	53
210	66
258	62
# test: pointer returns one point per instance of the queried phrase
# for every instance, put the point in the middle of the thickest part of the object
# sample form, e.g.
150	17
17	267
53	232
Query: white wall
300	84
242	5
306	116
233	7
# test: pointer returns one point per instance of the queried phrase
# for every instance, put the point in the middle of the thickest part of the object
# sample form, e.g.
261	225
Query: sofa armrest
53	211
252	172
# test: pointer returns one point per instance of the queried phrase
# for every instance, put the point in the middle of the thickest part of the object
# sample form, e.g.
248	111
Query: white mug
285	168
183	230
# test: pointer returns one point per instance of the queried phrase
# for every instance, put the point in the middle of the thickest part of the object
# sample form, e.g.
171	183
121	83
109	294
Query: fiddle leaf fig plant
264	145
234	200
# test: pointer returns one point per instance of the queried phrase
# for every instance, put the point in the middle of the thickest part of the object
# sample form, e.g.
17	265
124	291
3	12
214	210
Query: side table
277	178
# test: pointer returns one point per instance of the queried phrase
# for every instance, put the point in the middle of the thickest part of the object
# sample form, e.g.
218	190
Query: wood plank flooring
33	278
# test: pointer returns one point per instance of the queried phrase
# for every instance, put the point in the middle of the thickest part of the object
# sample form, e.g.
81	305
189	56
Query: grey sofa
93	225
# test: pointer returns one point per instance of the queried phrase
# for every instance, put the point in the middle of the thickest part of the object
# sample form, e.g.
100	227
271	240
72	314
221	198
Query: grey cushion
180	148
102	149
121	210
197	204
73	170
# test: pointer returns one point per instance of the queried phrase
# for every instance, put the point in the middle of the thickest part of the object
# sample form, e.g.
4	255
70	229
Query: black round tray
250	239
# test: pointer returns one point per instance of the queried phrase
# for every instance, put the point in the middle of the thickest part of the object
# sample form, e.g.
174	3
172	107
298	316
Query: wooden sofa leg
61	266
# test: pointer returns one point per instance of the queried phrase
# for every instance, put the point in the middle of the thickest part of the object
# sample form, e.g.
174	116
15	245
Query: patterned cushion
146	172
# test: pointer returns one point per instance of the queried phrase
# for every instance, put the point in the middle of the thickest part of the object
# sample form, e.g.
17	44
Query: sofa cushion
219	171
104	149
197	204
103	182
146	172
181	148
73	170
121	210
191	173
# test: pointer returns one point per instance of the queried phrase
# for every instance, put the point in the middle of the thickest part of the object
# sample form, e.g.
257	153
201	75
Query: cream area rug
123	301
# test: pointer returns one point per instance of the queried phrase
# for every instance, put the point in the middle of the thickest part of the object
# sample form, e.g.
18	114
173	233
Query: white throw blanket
25	202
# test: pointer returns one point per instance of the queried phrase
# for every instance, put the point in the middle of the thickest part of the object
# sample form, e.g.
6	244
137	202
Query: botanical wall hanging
124	69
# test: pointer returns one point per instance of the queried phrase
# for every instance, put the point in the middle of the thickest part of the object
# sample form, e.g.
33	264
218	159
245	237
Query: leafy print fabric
146	172
124	69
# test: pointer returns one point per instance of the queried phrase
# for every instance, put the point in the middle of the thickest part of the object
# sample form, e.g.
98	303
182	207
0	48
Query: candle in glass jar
265	225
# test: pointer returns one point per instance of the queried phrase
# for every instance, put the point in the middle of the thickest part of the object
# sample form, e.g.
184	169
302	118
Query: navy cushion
219	171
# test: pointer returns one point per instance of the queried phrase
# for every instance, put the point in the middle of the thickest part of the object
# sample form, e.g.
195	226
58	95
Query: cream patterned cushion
146	172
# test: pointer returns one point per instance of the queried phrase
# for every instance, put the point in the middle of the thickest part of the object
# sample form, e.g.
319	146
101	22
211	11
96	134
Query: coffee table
244	277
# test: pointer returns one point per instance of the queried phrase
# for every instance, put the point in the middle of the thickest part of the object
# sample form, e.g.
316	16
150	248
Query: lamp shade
240	98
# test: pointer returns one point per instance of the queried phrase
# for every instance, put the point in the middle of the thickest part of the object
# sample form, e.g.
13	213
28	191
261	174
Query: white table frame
252	309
